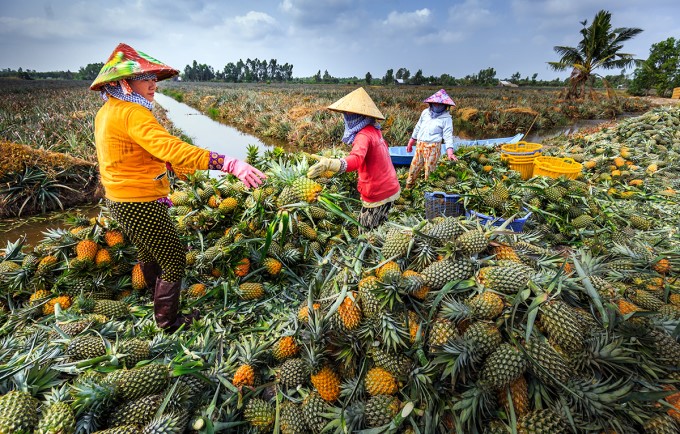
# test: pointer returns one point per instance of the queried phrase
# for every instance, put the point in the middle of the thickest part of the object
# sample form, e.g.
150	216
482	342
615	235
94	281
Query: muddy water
32	228
208	133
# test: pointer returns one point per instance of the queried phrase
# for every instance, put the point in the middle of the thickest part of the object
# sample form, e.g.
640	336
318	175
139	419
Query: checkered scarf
355	123
122	90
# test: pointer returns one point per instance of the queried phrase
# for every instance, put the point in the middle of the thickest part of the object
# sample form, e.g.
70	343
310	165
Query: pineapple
293	372
136	412
504	252
111	308
519	393
645	299
379	381
197	290
18	412
313	408
86	250
307	231
486	305
285	348
472	242
139	381
503	366
441	332
45	265
395	363
251	290
303	312
389	271
272	265
58	418
136	350
582	221
292	420
242	267
103	258
327	383
260	414
348	315
542	422
64	301
381	409
413	283
114	238
286	197
508	280
38	296
138	282
562	325
496	196
306	189
546	363
639	222
86	347
445	230
396	244
249	357
441	272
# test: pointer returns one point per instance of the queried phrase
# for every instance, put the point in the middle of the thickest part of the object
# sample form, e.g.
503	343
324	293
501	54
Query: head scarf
437	109
121	90
355	123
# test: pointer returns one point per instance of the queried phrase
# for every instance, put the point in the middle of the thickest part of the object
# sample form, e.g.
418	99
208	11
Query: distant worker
132	150
434	126
377	184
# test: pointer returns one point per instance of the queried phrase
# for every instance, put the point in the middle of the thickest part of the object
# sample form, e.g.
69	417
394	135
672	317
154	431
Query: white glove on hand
246	173
324	164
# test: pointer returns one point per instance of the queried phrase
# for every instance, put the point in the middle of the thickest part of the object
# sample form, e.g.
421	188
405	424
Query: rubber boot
151	271
166	306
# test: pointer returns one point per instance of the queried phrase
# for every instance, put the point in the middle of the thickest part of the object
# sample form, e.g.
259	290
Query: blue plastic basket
438	204
516	225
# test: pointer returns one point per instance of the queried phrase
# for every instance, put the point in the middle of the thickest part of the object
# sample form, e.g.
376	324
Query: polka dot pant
149	227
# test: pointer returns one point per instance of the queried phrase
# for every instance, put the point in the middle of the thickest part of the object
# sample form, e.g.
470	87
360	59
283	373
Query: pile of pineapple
309	325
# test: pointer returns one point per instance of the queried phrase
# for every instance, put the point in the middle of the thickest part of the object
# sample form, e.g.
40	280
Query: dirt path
656	101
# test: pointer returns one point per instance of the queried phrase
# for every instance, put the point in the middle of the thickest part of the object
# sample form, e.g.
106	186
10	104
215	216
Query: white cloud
473	13
253	25
407	20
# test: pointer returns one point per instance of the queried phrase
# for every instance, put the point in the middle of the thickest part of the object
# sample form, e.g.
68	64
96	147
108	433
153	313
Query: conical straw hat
357	102
126	62
440	97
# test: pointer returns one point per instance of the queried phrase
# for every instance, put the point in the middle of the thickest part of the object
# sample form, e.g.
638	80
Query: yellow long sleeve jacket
132	148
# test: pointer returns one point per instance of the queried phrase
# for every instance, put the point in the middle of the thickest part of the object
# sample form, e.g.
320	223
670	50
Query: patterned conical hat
440	97
357	102
126	62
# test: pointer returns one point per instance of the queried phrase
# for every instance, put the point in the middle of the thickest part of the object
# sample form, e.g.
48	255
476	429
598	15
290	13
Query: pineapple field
566	323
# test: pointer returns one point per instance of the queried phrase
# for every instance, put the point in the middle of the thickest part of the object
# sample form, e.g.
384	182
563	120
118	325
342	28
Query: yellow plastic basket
524	164
554	167
521	148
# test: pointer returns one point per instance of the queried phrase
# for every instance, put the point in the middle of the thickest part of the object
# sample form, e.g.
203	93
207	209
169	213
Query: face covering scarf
353	124
122	91
437	109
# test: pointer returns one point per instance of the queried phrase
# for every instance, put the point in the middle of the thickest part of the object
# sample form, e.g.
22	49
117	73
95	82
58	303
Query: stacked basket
554	167
520	157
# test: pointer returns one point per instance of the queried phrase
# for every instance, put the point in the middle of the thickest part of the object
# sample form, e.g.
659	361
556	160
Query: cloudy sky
345	37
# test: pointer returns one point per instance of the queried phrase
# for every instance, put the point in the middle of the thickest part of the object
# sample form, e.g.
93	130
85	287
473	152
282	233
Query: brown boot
166	306
151	271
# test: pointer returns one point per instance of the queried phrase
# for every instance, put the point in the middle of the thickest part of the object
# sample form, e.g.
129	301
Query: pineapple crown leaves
459	358
475	405
36	379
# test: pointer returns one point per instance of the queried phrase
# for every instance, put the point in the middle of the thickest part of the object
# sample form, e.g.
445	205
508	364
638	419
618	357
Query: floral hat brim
126	62
440	97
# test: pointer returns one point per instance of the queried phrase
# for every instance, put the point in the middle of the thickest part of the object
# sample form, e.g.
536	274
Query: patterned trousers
426	157
373	217
149	227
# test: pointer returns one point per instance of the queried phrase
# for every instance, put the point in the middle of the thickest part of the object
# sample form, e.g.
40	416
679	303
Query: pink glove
249	175
409	147
451	155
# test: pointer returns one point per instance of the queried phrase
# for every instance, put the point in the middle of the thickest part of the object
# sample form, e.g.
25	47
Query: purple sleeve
216	161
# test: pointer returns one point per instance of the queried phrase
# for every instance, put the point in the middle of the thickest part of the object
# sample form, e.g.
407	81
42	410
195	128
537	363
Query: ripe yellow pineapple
285	347
114	238
196	290
103	258
86	250
244	376
63	300
138	282
38	296
505	252
349	312
388	271
272	265
519	393
303	313
487	305
380	382
306	189
242	268
327	383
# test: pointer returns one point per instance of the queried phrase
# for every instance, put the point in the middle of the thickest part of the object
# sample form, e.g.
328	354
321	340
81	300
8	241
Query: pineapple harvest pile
308	325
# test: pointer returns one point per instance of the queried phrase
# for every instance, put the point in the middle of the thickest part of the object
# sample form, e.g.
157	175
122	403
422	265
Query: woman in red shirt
378	184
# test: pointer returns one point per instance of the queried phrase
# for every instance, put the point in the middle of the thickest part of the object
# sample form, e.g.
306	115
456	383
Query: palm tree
599	48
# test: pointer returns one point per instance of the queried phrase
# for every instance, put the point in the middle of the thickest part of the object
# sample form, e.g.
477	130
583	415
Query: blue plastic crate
438	204
516	225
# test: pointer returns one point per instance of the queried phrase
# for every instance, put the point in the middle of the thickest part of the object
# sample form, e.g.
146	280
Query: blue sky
345	37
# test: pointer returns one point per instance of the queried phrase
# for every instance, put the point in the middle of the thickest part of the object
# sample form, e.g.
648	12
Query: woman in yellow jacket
132	149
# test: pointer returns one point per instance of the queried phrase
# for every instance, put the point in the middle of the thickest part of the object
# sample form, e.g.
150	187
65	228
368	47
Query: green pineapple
546	363
286	197
645	299
136	412
441	332
439	273
472	242
395	363
508	280
18	412
306	189
497	196
368	300
167	423
86	347
136	350
503	366
562	325
555	193
381	409
259	413
292	420
307	231
484	337
542	422
125	429
140	381
313	408
58	418
293	372
445	230
396	244
582	221
111	308
639	222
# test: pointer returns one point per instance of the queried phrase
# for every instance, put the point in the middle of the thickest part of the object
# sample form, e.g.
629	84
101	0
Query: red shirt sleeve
358	154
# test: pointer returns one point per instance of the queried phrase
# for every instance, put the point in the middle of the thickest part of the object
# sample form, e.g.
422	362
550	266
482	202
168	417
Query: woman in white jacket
434	126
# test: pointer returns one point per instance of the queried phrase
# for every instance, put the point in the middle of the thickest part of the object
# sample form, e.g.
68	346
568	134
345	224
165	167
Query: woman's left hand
451	155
